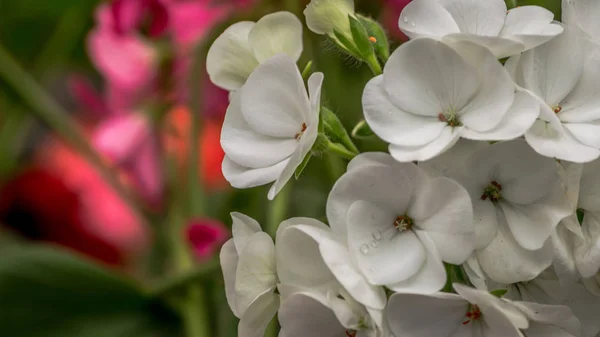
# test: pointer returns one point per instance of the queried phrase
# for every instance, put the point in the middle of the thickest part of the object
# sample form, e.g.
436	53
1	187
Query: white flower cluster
483	219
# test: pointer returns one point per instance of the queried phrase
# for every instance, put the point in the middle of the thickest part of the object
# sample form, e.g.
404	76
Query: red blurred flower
390	15
40	206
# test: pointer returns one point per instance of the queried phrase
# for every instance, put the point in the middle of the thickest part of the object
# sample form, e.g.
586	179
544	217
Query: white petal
589	198
532	225
306	142
336	257
564	263
452	162
243	177
548	141
505	261
587	134
496	92
383	254
426	18
230	59
274	100
520	117
256	273
557	67
559	316
304	315
394	125
323	16
432	275
255	320
500	47
242	228
427	77
315	84
250	148
583	13
532	25
587	256
485	221
380	185
298	258
442	208
477	17
371	158
445	141
276	33
229	262
436	315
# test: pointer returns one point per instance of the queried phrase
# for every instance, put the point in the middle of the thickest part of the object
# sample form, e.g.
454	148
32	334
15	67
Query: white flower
431	94
579	246
563	75
475	313
244	45
334	254
584	15
546	289
399	224
248	264
325	16
253	268
518	200
488	23
315	314
271	125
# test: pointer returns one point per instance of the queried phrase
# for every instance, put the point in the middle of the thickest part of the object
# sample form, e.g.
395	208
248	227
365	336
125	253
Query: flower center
557	109
403	223
351	333
302	129
472	315
492	192
451	119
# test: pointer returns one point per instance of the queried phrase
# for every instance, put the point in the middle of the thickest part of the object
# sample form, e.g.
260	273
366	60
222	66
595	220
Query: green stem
181	281
374	64
341	151
49	111
278	209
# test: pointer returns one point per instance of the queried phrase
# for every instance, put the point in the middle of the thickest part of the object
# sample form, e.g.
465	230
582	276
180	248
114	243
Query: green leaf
46	292
344	43
362	130
381	44
499	292
361	38
334	129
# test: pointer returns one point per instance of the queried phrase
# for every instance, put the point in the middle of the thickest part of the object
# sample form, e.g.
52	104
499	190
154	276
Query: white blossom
399	224
315	314
582	14
270	125
325	16
476	313
431	94
563	75
518	200
243	46
486	22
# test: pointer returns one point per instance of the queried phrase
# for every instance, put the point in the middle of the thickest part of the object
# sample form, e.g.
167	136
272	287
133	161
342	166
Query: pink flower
122	57
390	15
129	142
191	21
206	237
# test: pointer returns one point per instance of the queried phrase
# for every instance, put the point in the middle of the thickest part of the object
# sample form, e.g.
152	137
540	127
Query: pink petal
146	172
206	237
120	137
192	21
125	61
127	15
